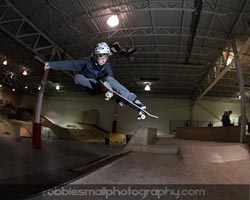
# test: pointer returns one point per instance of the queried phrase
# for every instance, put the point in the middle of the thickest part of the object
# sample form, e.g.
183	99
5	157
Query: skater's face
101	60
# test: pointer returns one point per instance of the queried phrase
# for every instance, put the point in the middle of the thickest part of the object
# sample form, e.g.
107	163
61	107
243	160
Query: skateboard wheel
143	116
107	98
138	117
108	95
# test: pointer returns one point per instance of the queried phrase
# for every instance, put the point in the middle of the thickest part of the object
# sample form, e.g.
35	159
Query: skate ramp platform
6	126
18	127
22	128
15	128
87	132
144	140
219	134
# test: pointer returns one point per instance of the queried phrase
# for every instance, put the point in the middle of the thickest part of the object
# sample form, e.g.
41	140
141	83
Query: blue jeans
116	86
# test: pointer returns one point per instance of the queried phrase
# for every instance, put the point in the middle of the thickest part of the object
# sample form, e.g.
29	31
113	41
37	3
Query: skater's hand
46	66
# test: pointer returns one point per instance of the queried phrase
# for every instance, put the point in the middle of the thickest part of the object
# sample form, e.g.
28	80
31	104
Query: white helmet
102	48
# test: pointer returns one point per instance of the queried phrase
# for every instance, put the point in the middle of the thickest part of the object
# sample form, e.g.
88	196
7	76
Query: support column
242	92
37	123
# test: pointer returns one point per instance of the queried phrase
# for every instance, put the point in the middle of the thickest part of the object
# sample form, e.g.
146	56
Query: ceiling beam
158	65
139	6
167	31
16	30
196	15
213	76
16	26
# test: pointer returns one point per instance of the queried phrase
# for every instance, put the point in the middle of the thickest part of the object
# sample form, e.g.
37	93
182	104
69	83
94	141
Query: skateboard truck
109	95
121	103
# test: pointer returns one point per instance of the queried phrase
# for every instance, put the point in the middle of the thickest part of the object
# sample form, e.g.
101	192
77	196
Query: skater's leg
84	81
123	91
120	88
90	85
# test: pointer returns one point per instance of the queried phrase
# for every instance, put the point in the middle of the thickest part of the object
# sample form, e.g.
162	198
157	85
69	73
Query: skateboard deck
110	93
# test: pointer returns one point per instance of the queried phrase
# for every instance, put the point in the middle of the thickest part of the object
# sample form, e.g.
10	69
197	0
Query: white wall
166	109
68	111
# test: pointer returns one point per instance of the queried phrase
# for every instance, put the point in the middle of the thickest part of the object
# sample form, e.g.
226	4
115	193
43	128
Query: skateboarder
91	69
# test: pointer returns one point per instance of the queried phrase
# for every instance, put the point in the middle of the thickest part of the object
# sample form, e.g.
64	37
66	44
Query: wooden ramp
87	132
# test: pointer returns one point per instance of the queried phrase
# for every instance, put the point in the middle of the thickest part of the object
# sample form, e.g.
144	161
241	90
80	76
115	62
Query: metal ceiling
182	45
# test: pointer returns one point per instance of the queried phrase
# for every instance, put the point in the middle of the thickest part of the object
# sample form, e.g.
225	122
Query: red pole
37	123
36	135
114	126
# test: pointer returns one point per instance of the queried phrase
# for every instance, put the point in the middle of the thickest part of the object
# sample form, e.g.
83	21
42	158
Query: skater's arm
74	65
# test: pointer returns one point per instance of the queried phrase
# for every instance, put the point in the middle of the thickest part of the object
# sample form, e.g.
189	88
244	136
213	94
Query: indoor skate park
186	61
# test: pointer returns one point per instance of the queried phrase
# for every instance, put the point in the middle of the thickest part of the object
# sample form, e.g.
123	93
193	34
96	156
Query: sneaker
139	104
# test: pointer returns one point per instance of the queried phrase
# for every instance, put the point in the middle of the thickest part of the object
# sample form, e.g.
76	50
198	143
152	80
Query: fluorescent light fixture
147	87
113	21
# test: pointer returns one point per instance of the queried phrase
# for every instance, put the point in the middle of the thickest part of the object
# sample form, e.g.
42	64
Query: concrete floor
21	165
200	163
219	169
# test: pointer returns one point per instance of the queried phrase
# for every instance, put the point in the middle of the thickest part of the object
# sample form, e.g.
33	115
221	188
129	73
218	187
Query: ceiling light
5	62
13	90
147	87
57	87
26	87
113	21
39	88
229	60
25	73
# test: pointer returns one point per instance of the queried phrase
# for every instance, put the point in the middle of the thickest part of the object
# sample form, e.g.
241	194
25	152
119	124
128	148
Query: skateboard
109	93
